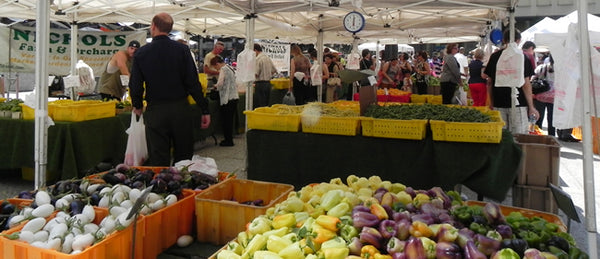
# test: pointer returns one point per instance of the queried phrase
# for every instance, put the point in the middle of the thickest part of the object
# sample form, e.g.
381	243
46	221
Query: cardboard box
540	161
219	214
534	197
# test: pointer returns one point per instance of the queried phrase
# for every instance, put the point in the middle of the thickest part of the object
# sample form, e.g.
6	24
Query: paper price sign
71	81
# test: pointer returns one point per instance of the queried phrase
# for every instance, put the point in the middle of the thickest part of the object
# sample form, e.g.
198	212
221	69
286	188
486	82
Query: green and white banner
95	48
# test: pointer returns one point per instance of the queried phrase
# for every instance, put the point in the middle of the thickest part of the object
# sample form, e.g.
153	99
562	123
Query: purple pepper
360	208
395	245
471	251
414	249
354	246
487	245
491	212
403	229
364	219
464	235
447	250
387	228
397	216
505	231
439	192
399	255
425	218
371	236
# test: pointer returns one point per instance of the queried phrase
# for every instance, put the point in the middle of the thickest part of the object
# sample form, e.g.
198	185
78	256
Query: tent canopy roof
403	21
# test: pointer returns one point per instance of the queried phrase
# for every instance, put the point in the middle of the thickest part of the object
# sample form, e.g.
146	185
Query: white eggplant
42	197
43	210
34	225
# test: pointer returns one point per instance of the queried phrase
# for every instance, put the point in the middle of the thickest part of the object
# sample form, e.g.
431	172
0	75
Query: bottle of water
532	121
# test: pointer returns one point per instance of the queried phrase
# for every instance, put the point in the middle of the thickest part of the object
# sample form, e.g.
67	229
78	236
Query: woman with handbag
544	101
228	98
450	77
422	71
333	81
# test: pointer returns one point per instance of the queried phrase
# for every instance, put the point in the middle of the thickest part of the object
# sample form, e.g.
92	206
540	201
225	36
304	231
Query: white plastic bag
289	99
205	165
316	74
137	150
509	70
246	66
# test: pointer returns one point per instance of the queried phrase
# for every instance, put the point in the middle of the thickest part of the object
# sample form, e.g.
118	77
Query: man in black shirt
167	69
501	97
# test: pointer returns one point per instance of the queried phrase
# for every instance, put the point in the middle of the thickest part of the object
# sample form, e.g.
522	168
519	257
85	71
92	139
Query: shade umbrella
350	76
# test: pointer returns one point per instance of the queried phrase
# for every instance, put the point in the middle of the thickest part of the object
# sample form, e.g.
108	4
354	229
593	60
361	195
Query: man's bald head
163	22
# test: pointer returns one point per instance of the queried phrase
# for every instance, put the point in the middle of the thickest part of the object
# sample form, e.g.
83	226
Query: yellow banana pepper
276	243
285	220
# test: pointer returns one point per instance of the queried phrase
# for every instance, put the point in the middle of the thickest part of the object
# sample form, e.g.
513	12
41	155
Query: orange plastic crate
114	246
163	227
220	216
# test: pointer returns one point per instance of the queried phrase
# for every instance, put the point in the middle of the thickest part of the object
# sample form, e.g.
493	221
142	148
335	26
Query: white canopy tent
289	20
542	26
373	46
292	20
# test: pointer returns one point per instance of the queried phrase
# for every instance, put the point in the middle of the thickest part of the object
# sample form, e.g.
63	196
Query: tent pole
249	46
41	85
74	57
320	55
588	169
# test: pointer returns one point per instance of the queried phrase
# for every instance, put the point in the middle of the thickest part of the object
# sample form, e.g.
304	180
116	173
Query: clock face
354	22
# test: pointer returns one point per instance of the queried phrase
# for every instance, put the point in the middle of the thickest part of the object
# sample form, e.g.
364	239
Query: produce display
372	218
427	112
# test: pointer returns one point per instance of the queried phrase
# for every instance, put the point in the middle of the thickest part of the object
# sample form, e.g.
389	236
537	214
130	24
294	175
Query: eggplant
517	245
111	179
76	207
25	195
558	242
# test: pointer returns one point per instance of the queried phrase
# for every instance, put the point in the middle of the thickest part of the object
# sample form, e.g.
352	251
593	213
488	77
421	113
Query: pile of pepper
427	112
375	219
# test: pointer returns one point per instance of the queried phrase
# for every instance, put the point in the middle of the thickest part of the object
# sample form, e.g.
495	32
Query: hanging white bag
137	150
509	70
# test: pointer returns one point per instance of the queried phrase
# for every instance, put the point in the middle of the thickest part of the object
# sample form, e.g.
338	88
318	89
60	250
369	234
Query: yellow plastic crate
84	110
28	113
346	105
366	124
346	126
490	132
280	83
400	129
419	98
434	99
266	118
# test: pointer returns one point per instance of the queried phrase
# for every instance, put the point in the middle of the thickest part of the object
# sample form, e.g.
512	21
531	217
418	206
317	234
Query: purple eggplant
487	245
395	245
505	231
493	215
447	250
354	246
371	236
403	229
471	251
364	219
387	228
414	249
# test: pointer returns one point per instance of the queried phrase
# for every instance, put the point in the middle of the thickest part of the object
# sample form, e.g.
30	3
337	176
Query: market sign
279	53
95	48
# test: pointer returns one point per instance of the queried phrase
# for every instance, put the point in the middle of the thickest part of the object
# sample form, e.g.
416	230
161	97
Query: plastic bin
540	160
82	111
115	246
163	227
346	126
400	129
220	216
266	118
534	197
490	132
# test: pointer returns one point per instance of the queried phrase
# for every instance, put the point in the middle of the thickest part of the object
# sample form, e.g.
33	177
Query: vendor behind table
119	64
265	70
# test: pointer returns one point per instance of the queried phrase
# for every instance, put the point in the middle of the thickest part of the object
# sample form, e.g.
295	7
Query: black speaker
390	52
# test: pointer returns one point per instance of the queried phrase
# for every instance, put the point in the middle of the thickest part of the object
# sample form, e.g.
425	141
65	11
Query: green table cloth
73	147
303	158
